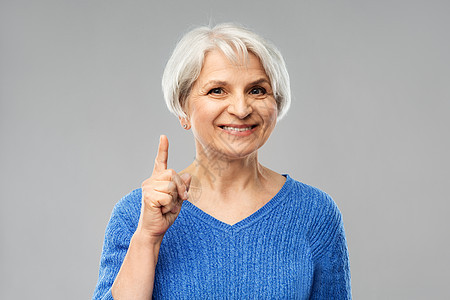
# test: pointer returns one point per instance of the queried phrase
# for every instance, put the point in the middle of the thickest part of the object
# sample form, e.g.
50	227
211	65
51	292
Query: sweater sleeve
330	255
115	246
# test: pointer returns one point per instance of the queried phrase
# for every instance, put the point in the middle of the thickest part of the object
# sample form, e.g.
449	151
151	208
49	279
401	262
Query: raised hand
162	196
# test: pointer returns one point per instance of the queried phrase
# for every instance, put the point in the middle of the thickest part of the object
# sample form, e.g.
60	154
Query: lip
237	125
239	133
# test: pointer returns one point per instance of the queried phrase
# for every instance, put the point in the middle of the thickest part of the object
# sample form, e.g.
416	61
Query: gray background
82	110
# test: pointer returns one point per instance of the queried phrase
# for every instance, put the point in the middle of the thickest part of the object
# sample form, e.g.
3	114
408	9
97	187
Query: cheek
206	111
268	111
202	116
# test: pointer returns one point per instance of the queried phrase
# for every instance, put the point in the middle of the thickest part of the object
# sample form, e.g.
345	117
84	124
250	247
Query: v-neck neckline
254	217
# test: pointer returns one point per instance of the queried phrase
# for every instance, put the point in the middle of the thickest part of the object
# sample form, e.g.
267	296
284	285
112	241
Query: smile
237	129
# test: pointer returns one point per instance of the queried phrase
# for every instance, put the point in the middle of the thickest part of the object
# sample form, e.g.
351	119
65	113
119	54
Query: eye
258	91
215	91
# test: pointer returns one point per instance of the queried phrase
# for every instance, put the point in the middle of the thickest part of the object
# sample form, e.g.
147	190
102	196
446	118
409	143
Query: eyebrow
215	82
220	82
259	81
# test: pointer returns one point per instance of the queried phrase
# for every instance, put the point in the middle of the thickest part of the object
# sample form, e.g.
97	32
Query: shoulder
315	201
130	202
127	209
322	216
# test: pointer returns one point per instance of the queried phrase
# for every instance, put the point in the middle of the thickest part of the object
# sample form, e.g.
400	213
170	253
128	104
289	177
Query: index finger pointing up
162	155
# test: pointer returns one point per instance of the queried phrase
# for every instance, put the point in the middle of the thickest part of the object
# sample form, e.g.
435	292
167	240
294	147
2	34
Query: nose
240	107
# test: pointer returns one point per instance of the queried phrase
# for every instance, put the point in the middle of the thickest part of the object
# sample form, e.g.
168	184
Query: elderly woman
226	226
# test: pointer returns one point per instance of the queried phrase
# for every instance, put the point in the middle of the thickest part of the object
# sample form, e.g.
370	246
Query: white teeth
236	129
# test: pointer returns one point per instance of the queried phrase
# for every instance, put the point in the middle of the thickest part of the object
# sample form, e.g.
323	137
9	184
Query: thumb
186	177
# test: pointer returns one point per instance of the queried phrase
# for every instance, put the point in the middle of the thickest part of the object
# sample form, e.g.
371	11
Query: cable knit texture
294	247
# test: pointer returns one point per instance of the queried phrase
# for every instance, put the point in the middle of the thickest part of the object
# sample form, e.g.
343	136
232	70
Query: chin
236	152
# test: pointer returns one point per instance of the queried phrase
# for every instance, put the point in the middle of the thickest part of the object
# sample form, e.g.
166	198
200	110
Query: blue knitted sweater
294	247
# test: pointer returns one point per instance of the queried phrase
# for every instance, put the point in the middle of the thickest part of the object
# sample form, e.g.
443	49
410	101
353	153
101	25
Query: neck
220	174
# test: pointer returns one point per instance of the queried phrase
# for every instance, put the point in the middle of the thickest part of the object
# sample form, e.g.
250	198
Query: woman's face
231	107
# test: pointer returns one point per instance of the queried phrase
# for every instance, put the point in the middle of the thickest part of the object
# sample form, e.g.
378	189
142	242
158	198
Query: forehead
216	64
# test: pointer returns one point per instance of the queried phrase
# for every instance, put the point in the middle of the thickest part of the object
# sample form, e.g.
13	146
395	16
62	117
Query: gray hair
185	64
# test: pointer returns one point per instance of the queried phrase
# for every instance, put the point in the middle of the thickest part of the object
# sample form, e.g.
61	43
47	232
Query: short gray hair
185	64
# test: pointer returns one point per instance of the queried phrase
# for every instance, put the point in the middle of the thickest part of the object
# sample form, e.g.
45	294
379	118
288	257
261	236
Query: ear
185	123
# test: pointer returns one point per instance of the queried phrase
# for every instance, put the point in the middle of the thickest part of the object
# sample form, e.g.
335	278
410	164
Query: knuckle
150	195
171	186
166	173
167	201
180	190
147	182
